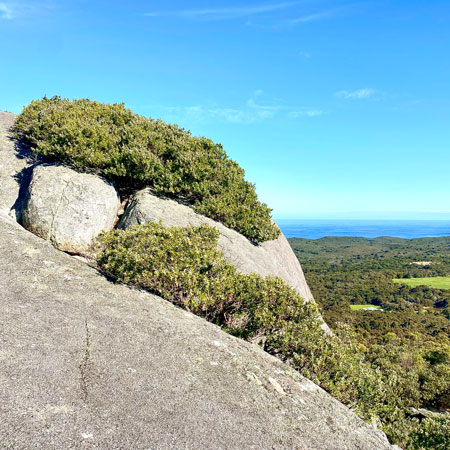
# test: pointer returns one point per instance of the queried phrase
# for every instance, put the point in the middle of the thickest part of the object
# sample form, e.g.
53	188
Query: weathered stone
85	363
15	165
274	258
68	208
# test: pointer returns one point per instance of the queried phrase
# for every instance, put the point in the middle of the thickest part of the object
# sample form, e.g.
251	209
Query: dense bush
432	434
137	152
184	266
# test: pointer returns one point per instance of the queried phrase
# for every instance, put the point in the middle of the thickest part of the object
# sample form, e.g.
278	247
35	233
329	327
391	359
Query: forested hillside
406	340
345	271
409	336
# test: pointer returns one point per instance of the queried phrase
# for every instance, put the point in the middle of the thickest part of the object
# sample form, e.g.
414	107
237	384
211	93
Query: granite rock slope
86	363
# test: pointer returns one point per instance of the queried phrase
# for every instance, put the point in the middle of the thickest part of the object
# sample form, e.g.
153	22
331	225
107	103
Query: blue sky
334	108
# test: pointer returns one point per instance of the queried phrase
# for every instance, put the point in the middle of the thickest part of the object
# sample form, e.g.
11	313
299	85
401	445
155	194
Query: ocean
408	229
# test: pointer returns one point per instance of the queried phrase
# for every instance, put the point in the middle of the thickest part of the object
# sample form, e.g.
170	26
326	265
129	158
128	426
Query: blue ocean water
408	229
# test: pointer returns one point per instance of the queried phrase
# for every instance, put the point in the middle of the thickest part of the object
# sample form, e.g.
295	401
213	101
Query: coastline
366	228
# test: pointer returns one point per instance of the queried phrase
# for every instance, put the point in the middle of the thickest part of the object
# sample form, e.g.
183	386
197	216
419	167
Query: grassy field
359	307
434	282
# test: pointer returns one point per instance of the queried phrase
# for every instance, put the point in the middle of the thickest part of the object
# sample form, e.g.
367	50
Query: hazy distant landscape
393	273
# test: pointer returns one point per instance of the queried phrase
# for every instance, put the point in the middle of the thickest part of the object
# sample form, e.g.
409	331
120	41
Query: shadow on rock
23	178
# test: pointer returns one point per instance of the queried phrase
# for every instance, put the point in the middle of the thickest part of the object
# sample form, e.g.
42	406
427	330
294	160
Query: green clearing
359	307
434	282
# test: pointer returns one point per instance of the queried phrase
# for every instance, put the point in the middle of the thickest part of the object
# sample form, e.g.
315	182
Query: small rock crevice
85	363
51	236
23	179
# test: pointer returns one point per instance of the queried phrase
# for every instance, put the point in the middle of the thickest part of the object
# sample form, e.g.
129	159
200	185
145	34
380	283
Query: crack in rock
50	235
84	364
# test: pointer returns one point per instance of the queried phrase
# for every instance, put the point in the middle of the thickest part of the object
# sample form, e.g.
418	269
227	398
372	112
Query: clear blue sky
334	108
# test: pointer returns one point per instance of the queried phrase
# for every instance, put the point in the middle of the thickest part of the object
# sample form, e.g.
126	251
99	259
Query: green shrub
138	152
432	434
183	265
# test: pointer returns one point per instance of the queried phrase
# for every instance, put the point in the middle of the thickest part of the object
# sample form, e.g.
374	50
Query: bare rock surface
69	208
88	364
14	163
274	258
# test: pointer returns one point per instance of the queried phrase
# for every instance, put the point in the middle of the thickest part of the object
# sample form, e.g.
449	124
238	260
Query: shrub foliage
184	266
138	152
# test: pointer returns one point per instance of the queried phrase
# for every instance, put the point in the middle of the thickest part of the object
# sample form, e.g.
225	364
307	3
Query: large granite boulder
274	258
89	364
69	208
